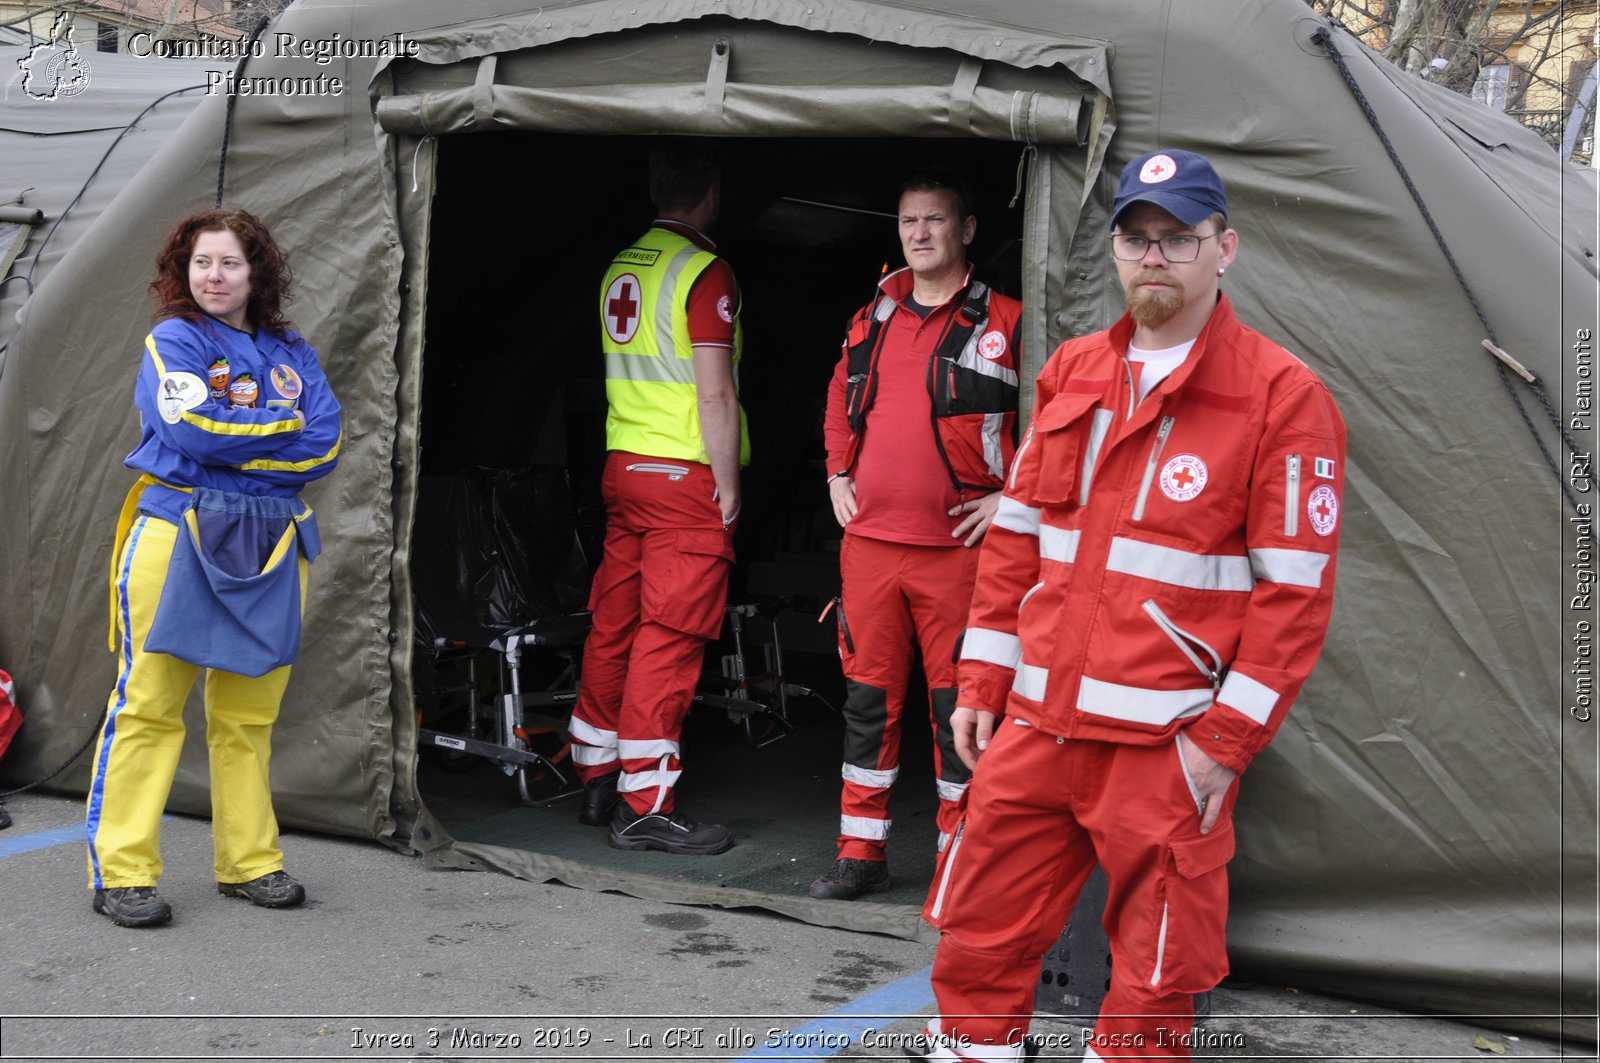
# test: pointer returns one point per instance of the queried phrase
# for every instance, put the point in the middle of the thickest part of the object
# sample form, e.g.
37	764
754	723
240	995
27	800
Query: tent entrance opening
523	226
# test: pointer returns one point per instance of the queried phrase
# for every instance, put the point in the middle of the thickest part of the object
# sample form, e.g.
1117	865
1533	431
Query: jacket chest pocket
960	389
1066	440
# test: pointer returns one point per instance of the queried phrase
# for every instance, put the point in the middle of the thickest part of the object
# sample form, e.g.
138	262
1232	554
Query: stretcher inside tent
512	381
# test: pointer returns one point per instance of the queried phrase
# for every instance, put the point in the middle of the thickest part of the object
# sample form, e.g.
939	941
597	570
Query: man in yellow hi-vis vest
669	314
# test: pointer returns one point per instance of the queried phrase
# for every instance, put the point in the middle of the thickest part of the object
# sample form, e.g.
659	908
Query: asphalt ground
389	960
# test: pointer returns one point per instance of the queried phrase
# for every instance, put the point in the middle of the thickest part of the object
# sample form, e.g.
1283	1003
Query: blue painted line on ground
838	1030
44	839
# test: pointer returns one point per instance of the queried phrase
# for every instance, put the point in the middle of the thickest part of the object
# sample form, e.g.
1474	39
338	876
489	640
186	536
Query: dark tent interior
509	520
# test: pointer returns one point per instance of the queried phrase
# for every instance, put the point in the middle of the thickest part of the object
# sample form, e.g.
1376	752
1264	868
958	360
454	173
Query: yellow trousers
137	753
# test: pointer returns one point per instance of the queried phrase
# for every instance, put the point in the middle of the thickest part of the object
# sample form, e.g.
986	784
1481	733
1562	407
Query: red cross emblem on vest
621	308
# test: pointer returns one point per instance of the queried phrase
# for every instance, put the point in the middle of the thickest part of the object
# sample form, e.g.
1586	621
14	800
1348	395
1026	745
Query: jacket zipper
1150	467
932	384
1016	459
676	472
1291	503
1187	644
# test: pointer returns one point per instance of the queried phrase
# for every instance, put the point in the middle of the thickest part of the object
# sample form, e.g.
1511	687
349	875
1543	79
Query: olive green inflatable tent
450	180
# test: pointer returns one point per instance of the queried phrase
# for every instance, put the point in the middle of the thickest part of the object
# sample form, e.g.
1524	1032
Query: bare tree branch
1453	42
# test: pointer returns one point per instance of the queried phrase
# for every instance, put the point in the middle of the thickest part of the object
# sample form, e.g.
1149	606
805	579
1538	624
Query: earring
1220	271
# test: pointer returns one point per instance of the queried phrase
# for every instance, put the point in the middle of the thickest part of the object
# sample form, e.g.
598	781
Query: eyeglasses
1180	248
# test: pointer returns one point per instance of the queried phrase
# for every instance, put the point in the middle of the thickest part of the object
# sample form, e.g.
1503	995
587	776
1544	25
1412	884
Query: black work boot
275	890
132	906
599	800
668	832
848	879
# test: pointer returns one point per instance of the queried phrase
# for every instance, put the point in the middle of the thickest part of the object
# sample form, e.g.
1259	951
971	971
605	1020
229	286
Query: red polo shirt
903	490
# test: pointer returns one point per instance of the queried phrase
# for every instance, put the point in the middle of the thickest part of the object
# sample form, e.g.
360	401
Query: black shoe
669	832
276	890
599	800
132	906
848	879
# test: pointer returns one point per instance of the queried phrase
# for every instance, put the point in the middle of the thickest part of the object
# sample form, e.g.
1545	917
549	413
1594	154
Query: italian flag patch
1324	468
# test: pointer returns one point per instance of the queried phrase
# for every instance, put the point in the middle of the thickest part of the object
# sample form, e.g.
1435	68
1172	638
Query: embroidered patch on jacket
218	372
1183	477
725	308
177	393
1323	509
1324	468
243	392
620	309
992	345
286	381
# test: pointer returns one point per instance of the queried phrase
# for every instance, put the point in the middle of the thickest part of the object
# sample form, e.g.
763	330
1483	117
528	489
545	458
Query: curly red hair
270	277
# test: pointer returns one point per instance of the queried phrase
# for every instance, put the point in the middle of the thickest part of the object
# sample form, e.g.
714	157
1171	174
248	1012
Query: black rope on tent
233	98
38	256
25	787
1325	39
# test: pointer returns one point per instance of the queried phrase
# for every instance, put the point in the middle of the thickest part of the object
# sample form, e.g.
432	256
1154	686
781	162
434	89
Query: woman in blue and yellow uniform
210	562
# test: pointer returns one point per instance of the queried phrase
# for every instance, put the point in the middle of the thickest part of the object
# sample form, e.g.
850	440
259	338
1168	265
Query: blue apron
231	599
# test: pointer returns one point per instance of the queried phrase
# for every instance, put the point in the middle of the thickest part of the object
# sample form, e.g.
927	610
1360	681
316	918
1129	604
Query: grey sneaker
275	890
132	906
848	879
668	832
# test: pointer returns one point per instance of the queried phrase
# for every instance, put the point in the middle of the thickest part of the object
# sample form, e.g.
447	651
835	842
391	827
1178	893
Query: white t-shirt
1156	366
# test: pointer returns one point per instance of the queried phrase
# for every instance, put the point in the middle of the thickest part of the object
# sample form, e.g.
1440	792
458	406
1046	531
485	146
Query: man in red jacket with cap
1152	596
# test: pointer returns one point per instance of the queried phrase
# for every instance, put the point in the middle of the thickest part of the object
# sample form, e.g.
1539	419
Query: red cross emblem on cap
1158	168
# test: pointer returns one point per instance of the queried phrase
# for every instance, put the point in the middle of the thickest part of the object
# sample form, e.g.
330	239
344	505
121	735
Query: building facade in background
1532	59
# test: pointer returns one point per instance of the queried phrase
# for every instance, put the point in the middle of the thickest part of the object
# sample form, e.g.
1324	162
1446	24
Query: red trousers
657	600
896	599
1041	812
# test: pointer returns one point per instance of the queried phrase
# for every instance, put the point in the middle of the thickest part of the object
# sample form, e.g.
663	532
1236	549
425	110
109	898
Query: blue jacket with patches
217	409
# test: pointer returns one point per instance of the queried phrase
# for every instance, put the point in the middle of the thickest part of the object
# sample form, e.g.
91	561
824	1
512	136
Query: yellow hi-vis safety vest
644	332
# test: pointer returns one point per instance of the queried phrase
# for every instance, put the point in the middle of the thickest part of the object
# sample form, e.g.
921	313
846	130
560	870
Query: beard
1152	309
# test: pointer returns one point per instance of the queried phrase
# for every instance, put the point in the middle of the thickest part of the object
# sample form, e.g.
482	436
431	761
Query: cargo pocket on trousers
690	589
1192	948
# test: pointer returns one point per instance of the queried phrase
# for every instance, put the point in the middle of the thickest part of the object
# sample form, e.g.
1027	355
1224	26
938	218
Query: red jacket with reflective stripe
972	381
1169	566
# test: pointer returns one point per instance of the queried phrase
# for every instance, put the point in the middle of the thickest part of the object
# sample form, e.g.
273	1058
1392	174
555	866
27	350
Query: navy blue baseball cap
1179	182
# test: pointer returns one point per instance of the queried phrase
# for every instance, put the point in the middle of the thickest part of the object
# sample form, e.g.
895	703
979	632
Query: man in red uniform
1153	594
920	427
669	312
